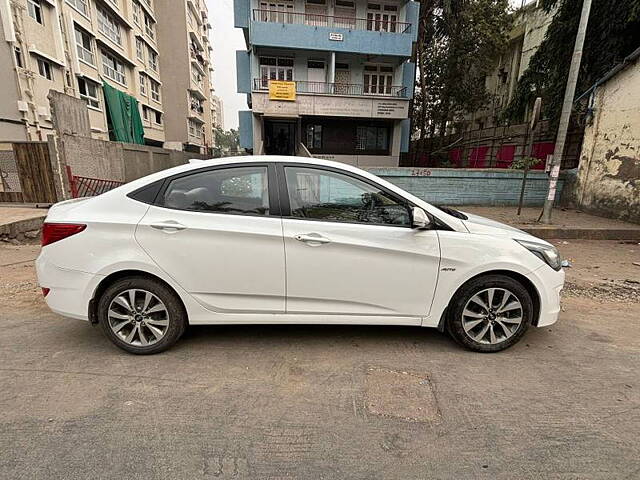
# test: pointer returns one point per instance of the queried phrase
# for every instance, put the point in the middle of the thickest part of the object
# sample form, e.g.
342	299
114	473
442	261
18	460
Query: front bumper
549	284
70	290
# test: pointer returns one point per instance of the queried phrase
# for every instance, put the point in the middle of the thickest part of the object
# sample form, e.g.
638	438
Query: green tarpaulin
123	116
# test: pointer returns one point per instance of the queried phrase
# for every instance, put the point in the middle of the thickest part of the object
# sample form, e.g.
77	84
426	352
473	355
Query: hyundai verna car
264	240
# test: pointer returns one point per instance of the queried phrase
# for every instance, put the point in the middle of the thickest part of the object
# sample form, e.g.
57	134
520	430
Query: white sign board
336	37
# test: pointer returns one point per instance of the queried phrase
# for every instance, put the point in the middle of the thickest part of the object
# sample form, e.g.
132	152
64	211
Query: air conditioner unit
23	106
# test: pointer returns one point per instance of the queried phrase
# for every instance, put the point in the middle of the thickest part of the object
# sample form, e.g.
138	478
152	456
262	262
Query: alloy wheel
138	317
491	316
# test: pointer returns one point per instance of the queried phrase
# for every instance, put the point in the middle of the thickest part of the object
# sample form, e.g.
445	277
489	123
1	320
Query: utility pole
567	107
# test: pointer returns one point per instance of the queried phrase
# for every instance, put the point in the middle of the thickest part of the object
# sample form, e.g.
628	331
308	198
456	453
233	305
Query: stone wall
608	180
459	186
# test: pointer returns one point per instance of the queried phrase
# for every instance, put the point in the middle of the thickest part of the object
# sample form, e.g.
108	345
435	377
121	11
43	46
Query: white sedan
255	240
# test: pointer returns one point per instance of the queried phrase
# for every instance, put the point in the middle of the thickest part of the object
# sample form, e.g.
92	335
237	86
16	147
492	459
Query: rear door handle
311	238
168	226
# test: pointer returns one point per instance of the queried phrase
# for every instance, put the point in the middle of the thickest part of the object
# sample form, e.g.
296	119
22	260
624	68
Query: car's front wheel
141	315
490	313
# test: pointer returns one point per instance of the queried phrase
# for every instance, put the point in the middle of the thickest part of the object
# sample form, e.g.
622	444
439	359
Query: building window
113	68
195	129
45	69
81	6
372	138
19	59
108	25
89	92
378	80
35	10
279	11
149	28
197	78
145	113
155	90
382	18
139	49
157	118
314	136
83	46
153	60
143	83
137	12
114	3
272	68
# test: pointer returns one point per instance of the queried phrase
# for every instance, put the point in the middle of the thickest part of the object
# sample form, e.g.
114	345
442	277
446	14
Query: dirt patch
401	395
627	291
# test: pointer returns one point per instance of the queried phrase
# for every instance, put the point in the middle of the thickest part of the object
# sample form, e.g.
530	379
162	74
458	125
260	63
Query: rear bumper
70	290
549	284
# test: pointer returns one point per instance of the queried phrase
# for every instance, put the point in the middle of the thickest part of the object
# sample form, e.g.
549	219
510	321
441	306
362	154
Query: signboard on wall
336	37
282	90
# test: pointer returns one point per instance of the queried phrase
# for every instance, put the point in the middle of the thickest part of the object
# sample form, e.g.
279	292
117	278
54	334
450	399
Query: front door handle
169	226
312	238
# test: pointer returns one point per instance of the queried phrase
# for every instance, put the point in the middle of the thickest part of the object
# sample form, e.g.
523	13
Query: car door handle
169	226
311	238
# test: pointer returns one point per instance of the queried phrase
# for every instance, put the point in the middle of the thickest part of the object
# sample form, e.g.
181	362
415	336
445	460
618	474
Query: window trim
285	206
48	69
272	187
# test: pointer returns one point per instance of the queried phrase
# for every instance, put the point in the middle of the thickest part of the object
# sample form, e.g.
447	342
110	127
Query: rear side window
148	193
239	191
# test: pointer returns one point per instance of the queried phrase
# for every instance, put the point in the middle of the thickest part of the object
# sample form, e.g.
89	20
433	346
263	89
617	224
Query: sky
225	41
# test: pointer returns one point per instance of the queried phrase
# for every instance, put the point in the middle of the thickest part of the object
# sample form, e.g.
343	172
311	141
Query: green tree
612	34
459	42
227	142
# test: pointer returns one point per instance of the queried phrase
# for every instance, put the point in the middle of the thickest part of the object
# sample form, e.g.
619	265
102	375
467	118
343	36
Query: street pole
567	107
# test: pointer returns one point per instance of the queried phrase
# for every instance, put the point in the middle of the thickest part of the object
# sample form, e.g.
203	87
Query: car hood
485	226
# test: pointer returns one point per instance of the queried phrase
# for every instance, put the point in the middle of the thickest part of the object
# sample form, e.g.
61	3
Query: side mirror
419	219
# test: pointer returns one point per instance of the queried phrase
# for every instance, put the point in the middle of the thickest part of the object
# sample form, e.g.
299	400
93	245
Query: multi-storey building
332	78
183	29
72	46
217	112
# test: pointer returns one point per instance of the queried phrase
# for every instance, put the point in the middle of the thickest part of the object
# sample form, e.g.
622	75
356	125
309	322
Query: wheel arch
526	283
114	277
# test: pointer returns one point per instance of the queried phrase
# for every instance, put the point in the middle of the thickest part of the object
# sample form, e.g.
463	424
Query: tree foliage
226	142
612	34
459	42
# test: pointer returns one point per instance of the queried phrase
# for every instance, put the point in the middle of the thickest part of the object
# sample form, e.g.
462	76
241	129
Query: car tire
150	321
490	313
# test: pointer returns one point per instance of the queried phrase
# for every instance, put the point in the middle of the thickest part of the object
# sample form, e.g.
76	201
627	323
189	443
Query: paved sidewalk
567	223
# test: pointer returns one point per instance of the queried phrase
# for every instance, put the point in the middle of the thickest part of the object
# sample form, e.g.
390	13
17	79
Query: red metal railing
381	23
88	186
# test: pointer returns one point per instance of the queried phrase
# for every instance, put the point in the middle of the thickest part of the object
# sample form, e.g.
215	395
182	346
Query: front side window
334	197
240	191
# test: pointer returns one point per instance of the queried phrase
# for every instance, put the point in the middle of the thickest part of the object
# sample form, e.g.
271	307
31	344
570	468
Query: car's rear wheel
490	313
141	315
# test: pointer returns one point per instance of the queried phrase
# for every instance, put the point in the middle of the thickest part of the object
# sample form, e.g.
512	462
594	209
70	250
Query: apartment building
217	112
183	29
73	46
329	78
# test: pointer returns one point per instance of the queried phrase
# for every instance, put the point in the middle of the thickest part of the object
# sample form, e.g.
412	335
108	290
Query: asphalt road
282	402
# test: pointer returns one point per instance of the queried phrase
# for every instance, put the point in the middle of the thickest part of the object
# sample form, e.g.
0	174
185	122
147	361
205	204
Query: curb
15	229
584	233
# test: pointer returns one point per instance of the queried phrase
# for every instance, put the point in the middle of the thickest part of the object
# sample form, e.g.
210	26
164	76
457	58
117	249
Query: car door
350	248
218	233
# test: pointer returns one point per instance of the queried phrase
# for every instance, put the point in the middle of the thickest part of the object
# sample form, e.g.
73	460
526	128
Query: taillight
45	291
52	232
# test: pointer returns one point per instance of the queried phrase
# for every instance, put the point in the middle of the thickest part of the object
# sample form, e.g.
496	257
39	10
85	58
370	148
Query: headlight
547	253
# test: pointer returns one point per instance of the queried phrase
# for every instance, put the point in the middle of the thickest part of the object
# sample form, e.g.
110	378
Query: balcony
333	100
284	29
344	89
316	20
